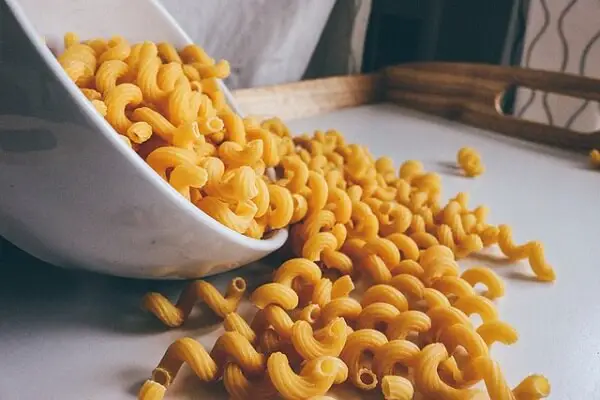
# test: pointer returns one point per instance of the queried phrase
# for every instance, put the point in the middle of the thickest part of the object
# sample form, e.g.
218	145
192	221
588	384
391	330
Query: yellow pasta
475	275
396	388
275	293
406	323
595	158
470	162
333	339
345	307
233	322
116	100
394	358
497	331
533	250
357	343
351	216
427	379
315	378
385	294
240	387
175	314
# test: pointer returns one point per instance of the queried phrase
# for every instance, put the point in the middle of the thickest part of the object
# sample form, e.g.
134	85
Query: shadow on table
33	293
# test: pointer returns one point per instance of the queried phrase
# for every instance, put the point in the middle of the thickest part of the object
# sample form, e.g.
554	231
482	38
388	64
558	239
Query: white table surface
69	335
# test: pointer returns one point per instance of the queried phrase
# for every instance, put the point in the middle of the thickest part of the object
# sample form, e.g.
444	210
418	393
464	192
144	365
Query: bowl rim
271	243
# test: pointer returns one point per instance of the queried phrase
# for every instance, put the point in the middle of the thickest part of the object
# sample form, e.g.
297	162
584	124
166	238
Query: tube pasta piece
139	132
444	317
185	350
363	223
465	336
91	94
147	75
533	387
339	202
300	208
407	247
396	388
357	344
315	378
409	267
270	145
322	292
506	244
377	316
233	154
100	106
187	176
383	248
345	307
116	100
295	173
477	305
239	387
238	184
376	269
470	162
330	343
427	379
151	390
233	322
342	287
451	285
406	323
434	298
396	352
497	331
167	53
109	73
385	294
160	125
281	207
495	383
233	346
238	220
297	268
275	317
408	284
311	314
366	379
276	294
174	315
316	244
475	275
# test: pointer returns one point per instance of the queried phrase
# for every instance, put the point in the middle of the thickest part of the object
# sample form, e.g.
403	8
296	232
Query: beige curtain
272	41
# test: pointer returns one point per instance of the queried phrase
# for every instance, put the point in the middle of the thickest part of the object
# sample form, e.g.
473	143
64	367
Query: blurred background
271	42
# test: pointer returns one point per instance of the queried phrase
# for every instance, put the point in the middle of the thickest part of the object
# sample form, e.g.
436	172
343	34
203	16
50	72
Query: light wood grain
473	94
309	98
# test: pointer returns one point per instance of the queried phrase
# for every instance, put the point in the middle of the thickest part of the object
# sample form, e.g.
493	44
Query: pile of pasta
372	294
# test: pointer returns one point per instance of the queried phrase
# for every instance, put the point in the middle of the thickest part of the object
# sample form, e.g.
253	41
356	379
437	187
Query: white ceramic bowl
71	193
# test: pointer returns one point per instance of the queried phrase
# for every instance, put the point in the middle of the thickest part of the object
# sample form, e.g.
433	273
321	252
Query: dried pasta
375	281
470	162
174	315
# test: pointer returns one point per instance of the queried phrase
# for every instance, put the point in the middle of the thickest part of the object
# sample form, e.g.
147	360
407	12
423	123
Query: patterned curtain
564	36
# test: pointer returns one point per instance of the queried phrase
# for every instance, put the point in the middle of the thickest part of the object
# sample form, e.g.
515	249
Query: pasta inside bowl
100	206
